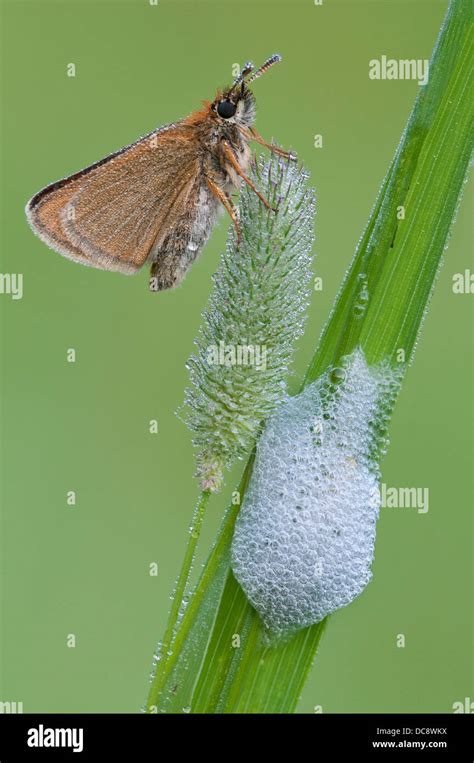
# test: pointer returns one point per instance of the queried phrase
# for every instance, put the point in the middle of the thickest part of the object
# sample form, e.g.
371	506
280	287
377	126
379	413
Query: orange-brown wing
108	215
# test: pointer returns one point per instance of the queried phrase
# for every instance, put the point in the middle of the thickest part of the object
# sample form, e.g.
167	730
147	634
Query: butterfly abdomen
172	256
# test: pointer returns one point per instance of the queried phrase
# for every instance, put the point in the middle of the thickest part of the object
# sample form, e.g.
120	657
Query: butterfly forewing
111	215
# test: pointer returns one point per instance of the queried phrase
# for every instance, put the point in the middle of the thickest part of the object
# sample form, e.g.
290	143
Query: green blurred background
83	426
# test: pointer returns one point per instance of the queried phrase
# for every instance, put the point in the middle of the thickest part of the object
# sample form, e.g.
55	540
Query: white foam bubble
304	540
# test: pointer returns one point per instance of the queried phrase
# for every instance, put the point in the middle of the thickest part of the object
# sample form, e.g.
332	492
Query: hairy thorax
217	164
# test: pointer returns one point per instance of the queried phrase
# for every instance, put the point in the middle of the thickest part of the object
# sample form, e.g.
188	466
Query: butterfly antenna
246	69
264	67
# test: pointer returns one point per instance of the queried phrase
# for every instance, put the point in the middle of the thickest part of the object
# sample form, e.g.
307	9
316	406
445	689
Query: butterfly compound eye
226	109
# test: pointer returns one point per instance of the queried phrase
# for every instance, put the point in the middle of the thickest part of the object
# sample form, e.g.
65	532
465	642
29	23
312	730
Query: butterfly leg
252	134
227	203
230	156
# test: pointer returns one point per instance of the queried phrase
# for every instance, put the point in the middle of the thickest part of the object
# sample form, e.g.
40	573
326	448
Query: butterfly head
236	104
